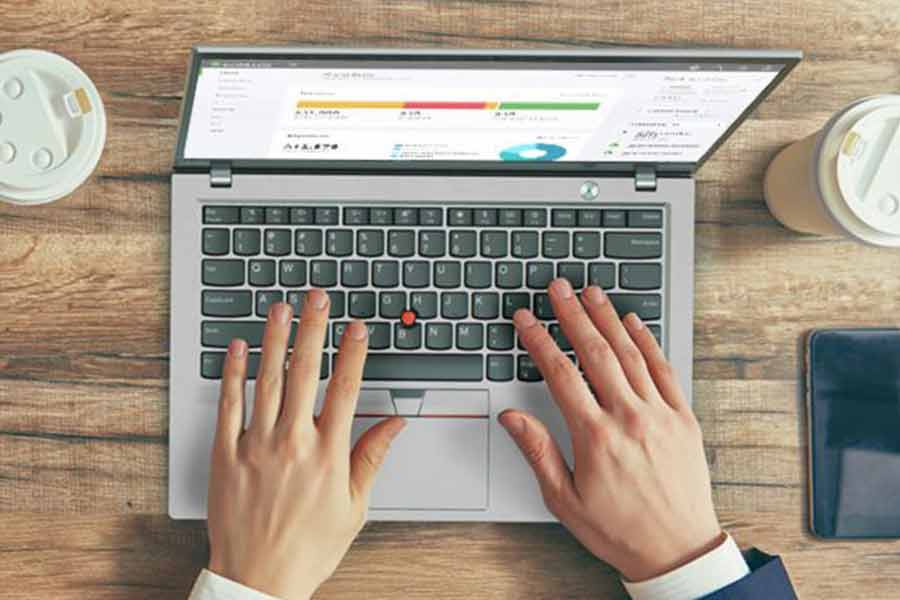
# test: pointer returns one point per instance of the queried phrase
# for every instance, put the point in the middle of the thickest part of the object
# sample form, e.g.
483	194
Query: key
587	245
500	367
556	244
379	336
406	216
640	276
407	338
323	273
484	217
648	219
296	299
339	242
247	242
356	216
460	216
401	242
539	276
278	242
323	370
326	216
292	273
337	332
494	244
424	367
424	303
227	304
657	333
416	273
564	217
647	306
223	272
447	274
614	218
543	308
560	338
217	334
362	305
308	242
478	274
431	216
486	305
535	217
438	336
462	244
302	216
432	243
510	217
602	275
385	273
211	364
264	300
524	244
370	242
252	215
261	273
382	216
354	273
391	304
500	336
527	370
513	302
276	215
220	215
215	241
454	305
590	218
337	301
469	336
573	271
509	275
633	245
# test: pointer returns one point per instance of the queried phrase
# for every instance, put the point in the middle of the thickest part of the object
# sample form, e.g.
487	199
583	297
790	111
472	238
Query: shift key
633	245
217	334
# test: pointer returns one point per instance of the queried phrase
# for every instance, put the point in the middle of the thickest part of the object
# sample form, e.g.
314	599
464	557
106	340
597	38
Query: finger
369	453
606	320
660	368
306	362
270	380
544	456
600	364
566	384
230	422
343	389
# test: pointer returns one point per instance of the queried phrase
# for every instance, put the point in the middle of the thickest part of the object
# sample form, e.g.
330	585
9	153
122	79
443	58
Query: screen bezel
325	57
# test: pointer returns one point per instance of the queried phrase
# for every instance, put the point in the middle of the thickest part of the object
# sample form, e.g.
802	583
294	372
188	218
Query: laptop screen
640	112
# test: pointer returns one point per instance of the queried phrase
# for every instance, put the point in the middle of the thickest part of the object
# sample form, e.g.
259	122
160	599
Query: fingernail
358	330
401	425
514	424
319	299
634	321
237	348
595	295
523	318
562	288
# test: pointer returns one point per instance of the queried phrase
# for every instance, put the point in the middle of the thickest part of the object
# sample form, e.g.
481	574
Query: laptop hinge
645	179
220	174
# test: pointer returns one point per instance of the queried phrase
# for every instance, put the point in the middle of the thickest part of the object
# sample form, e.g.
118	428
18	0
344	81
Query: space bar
423	367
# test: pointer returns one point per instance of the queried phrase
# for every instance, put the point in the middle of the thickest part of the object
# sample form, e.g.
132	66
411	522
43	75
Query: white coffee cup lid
52	127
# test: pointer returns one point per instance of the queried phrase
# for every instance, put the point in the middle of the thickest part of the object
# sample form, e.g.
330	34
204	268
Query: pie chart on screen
533	152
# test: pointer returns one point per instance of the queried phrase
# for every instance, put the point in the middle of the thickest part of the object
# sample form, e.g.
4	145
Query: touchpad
433	464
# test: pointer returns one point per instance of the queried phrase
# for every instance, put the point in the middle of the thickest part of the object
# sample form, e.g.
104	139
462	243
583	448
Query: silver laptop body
290	145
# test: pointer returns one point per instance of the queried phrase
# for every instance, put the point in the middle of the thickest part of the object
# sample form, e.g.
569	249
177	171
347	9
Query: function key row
474	217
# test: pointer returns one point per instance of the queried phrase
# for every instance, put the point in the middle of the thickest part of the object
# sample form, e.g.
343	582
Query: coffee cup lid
52	126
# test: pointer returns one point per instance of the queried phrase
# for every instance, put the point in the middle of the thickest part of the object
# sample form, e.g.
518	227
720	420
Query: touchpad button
433	464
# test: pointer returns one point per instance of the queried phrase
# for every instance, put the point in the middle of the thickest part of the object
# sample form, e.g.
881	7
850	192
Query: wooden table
84	301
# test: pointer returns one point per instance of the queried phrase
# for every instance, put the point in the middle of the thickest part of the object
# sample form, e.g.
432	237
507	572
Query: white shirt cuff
711	572
210	586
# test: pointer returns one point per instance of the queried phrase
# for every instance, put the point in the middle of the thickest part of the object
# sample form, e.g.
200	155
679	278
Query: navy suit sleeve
768	580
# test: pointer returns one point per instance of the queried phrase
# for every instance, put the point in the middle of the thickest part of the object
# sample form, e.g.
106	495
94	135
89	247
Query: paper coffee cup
52	127
845	179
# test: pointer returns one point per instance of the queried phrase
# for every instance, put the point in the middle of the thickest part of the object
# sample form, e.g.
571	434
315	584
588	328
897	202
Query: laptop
433	193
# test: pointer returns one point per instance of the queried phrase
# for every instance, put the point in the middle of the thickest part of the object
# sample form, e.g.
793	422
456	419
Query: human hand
639	497
287	497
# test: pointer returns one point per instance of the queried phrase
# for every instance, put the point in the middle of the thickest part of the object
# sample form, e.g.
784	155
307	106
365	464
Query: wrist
262	583
663	561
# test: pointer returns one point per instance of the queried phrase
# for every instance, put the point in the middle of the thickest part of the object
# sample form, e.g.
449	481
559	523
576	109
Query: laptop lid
334	110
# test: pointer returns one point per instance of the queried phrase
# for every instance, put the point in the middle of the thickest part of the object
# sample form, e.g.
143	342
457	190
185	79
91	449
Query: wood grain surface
84	300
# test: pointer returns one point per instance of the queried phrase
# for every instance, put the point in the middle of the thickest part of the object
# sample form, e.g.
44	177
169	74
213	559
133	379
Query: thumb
369	453
543	454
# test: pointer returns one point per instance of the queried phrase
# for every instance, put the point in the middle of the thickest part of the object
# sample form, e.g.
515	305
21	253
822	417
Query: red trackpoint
408	318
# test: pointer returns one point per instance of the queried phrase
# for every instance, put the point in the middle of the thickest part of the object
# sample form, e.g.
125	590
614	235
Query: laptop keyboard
437	286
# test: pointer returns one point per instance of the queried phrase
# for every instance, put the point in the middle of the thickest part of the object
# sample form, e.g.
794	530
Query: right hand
639	496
